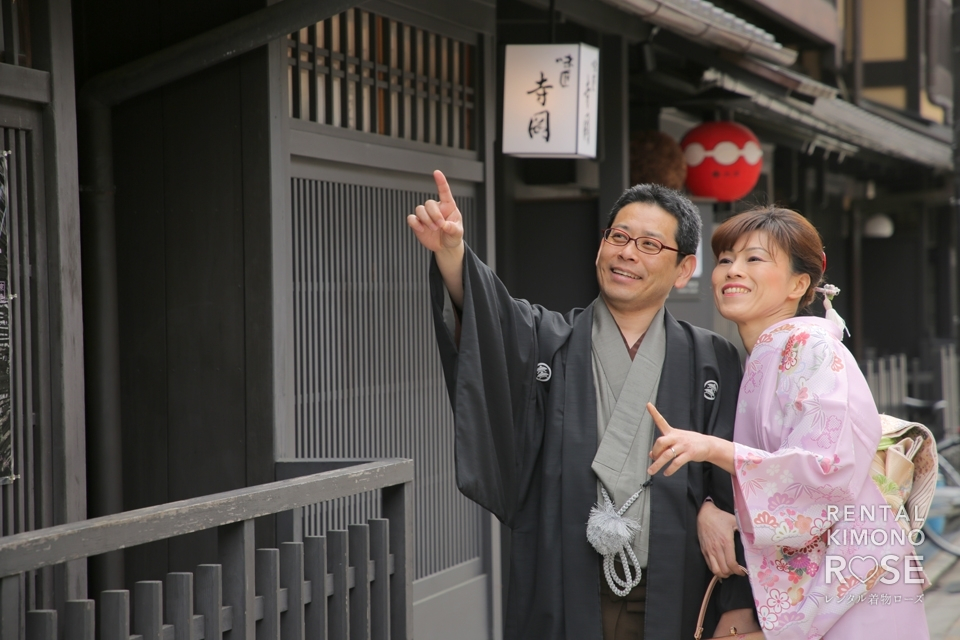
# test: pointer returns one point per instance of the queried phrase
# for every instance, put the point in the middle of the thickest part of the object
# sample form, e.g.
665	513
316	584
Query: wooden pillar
614	124
53	52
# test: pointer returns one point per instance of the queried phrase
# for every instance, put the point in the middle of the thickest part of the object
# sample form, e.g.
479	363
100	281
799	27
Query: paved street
942	601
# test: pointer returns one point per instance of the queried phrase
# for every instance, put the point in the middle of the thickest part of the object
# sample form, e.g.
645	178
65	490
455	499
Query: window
368	73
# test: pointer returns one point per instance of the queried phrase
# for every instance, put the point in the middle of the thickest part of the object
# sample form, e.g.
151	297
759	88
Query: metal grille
368	378
25	499
361	71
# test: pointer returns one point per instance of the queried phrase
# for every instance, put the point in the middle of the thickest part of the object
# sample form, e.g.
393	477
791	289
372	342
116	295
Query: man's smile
621	272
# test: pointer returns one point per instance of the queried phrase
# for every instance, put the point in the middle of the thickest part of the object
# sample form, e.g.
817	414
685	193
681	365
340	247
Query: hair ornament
823	266
828	291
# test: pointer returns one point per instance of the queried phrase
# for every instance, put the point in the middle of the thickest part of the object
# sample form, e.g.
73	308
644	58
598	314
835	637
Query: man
550	409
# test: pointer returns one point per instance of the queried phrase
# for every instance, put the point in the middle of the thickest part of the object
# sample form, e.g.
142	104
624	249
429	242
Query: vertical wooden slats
331	95
361	296
315	572
362	71
296	596
338	562
26	501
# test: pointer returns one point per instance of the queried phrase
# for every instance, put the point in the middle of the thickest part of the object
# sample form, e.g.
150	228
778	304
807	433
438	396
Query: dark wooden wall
192	171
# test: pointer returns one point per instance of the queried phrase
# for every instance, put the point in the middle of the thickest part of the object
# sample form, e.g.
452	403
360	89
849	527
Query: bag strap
703	605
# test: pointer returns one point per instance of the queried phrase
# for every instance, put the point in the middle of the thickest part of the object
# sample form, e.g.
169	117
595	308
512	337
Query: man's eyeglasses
650	246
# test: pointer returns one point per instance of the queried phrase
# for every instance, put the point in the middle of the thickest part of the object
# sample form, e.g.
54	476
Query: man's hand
715	528
439	227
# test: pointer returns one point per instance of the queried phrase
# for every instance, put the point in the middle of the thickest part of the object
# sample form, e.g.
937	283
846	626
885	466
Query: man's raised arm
439	227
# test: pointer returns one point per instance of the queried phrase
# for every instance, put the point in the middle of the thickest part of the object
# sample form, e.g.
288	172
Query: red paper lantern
723	160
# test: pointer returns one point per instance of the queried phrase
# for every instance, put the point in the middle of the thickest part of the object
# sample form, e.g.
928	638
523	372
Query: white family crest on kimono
806	432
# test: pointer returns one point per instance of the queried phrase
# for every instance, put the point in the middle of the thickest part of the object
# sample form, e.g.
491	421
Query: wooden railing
896	387
347	584
887	378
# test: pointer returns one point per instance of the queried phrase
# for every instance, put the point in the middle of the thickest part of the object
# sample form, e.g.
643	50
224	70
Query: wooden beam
22	83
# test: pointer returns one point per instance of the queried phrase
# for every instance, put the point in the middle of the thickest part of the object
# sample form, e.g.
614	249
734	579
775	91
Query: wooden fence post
339	562
268	588
315	570
380	587
42	624
115	615
209	600
148	609
360	595
237	551
11	624
79	620
291	579
397	506
178	607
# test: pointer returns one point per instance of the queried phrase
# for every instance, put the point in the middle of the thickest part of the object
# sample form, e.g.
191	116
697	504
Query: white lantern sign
550	100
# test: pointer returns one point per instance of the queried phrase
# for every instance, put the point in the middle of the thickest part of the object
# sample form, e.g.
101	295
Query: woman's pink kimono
817	533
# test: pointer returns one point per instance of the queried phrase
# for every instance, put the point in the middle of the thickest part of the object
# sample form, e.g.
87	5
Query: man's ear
801	283
685	271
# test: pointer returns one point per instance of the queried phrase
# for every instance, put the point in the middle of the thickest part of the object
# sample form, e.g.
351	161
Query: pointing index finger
443	187
660	421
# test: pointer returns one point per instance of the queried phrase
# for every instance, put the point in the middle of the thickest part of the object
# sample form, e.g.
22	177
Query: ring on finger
674	452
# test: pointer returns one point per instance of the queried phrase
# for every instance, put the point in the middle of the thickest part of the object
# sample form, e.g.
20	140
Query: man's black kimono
524	447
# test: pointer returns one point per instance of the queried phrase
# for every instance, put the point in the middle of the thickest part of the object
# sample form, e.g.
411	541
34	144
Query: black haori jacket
524	447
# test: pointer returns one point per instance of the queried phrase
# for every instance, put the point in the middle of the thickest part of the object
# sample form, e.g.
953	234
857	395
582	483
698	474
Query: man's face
634	281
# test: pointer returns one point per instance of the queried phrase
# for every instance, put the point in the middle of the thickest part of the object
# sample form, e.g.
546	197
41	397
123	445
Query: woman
826	558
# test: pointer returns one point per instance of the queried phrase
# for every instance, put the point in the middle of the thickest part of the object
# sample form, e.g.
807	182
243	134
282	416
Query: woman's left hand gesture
676	447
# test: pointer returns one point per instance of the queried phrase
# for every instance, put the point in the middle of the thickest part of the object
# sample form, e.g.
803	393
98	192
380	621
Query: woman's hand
677	447
715	529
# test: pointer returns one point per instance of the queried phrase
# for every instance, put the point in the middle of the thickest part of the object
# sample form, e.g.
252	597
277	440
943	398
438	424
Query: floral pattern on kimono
806	431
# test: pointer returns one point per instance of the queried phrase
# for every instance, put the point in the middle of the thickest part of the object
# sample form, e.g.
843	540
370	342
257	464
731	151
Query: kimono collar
827	325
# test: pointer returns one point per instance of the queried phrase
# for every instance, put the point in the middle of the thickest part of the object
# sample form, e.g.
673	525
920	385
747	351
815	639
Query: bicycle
946	500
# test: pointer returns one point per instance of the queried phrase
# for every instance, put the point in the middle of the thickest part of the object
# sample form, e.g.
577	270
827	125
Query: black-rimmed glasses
650	246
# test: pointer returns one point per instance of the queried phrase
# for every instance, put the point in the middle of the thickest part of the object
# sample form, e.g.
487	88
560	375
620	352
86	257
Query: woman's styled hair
789	230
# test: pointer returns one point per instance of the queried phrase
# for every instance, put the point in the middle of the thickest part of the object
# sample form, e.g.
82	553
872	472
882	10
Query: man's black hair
673	202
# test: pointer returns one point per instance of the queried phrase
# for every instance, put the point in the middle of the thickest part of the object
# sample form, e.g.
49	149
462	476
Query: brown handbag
753	635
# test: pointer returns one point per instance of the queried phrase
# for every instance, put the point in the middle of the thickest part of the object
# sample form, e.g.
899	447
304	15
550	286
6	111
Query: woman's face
754	281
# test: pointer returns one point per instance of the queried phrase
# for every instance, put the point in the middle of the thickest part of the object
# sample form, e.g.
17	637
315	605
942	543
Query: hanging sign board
550	100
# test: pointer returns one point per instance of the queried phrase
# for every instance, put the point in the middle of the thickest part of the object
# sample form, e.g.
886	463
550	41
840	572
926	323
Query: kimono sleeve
489	377
782	495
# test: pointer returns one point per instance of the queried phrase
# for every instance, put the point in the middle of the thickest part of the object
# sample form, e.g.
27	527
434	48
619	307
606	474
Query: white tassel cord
612	535
828	291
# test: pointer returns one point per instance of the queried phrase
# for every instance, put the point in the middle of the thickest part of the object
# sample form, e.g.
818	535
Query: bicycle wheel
946	501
